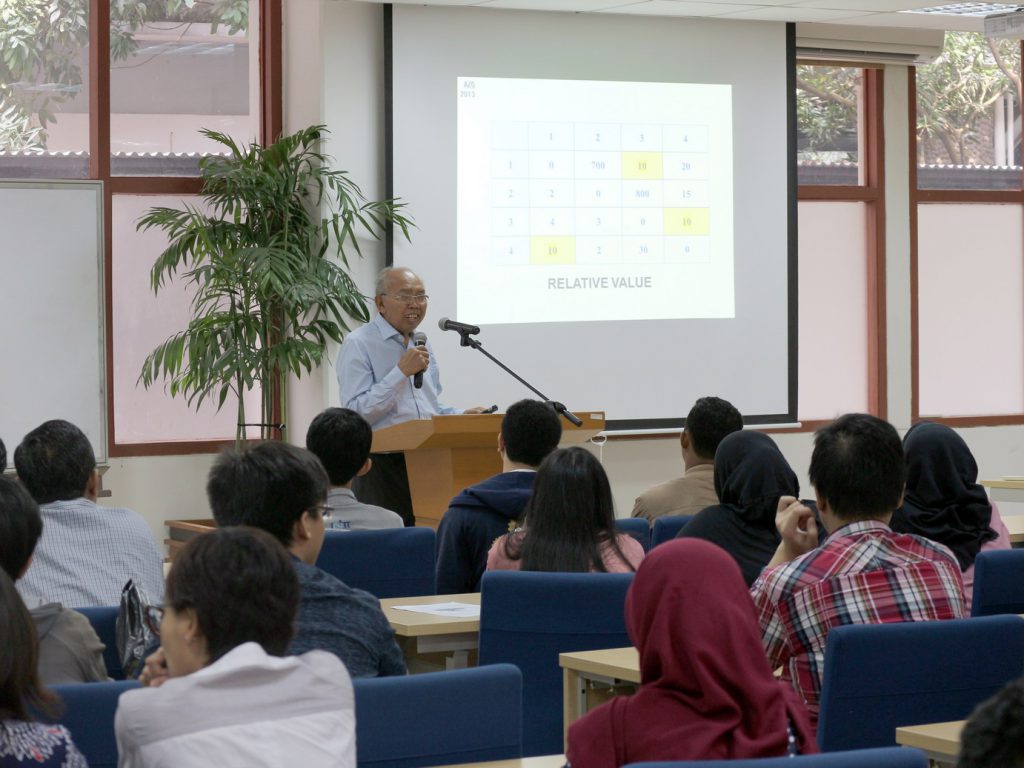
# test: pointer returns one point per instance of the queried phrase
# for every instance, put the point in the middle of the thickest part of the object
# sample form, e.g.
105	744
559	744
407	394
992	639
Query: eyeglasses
326	511
153	616
408	298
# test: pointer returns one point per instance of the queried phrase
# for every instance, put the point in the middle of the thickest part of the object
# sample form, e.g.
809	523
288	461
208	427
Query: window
968	115
118	92
841	331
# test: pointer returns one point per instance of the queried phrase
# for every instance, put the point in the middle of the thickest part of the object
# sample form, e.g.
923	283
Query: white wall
334	73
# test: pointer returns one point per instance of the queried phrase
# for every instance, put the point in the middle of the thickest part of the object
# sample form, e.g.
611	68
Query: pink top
631	548
1001	541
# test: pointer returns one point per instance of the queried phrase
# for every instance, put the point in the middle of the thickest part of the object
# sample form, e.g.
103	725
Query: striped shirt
87	553
863	574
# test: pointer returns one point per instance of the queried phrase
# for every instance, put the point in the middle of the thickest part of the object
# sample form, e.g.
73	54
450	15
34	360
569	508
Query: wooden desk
940	741
421	634
1015	525
542	761
1005	490
591	678
180	531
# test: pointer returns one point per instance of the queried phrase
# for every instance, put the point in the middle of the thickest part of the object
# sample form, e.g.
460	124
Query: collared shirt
246	708
346	621
372	384
863	574
686	495
345	508
87	553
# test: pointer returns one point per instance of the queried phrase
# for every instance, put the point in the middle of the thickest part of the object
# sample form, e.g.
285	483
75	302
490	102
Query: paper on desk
455	610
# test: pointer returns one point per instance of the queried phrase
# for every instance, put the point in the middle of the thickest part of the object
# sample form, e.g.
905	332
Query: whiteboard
52	324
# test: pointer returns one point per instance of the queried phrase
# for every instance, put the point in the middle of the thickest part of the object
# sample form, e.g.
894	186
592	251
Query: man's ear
92	487
501	444
301	528
367	466
684	440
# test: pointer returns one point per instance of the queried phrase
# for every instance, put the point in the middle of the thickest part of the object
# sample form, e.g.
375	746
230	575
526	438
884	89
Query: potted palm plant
266	254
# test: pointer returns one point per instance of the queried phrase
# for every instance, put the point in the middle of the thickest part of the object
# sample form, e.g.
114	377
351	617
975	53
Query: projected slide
587	200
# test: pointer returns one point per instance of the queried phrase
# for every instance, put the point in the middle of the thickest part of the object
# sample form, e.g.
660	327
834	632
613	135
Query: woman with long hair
944	501
23	741
569	522
706	688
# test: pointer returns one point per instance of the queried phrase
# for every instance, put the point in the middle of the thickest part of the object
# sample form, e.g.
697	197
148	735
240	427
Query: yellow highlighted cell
642	165
552	250
686	221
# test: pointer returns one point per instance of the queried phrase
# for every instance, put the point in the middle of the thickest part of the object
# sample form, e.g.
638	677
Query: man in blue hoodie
483	512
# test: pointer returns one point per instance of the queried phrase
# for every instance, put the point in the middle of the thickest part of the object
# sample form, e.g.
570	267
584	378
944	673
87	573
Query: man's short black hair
341	439
20	527
530	430
3	456
242	586
55	461
994	733
858	466
708	422
266	486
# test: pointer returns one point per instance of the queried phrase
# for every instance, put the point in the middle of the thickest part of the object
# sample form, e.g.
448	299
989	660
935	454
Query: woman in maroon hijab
706	689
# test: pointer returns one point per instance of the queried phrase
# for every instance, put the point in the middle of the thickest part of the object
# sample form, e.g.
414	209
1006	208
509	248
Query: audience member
751	475
706	690
530	431
943	500
708	422
24	742
863	573
87	552
282	489
341	439
993	736
3	457
219	691
569	522
69	650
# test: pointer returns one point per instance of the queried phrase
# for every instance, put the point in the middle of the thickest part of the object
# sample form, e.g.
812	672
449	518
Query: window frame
271	122
920	197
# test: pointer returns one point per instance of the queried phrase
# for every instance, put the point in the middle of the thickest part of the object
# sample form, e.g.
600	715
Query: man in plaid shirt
863	573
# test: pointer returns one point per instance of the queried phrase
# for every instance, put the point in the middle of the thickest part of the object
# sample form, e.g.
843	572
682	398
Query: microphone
453	325
418	340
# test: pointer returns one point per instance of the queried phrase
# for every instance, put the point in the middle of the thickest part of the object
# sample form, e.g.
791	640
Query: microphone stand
559	407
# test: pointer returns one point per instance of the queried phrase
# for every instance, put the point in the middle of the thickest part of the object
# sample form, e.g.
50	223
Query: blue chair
439	718
104	621
885	757
637	527
666	528
396	562
527	619
998	582
881	676
89	715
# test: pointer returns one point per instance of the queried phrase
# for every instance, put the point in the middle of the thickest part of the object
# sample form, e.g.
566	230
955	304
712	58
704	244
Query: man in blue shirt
376	368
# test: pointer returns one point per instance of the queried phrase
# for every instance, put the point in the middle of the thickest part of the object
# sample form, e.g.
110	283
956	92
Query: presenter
377	371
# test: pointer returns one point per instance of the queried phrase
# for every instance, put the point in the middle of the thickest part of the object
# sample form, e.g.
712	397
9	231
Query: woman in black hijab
943	501
751	474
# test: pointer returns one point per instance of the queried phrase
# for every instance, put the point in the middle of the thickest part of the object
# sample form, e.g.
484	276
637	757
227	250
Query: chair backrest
395	562
884	757
637	527
881	676
439	718
998	582
89	714
104	621
666	528
527	619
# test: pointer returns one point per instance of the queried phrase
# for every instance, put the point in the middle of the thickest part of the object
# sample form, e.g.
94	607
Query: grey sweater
69	650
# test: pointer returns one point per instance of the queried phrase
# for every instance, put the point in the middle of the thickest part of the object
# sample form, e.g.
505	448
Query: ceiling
875	13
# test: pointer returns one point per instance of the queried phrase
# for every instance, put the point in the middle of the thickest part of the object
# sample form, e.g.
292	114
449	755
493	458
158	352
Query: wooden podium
445	454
